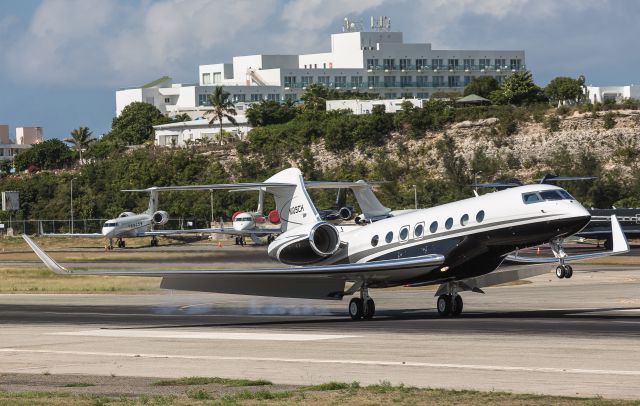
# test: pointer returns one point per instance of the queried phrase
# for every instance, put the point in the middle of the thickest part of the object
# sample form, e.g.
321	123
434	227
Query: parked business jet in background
456	245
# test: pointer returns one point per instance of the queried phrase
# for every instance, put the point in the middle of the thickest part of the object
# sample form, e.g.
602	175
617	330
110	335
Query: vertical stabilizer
292	202
153	201
368	202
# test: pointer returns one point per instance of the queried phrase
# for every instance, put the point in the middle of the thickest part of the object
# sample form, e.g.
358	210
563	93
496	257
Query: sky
61	61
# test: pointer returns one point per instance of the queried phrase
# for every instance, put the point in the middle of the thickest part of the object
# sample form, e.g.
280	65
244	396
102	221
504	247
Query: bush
552	123
608	121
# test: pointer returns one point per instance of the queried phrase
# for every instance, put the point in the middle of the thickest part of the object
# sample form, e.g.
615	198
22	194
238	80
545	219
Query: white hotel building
376	62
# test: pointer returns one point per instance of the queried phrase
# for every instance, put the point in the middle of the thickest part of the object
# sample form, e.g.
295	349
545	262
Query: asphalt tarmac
577	337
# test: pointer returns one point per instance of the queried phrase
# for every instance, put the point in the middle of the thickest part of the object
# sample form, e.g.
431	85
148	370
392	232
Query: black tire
560	272
568	271
369	309
355	308
444	305
124	244
457	306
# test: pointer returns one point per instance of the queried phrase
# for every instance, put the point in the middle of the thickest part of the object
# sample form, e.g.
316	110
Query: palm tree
222	108
81	139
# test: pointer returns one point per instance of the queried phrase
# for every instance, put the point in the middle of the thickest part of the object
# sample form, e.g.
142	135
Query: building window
273	97
356	81
453	81
390	95
167	99
438	81
484	63
239	97
206	79
422	95
340	81
468	63
406	95
453	63
372	63
373	81
499	79
324	80
500	63
437	63
256	97
515	64
290	97
203	100
389	64
217	77
422	81
389	81
405	81
289	81
306	80
467	80
405	64
421	64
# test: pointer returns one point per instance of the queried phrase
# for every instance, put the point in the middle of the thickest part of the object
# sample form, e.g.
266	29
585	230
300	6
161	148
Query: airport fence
83	226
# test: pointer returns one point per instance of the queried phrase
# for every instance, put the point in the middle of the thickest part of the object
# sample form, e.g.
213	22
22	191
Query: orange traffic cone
219	244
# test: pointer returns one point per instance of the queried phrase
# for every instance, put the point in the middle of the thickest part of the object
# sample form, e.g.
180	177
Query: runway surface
567	337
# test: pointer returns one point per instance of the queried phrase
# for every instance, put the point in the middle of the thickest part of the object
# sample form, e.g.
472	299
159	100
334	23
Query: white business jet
456	245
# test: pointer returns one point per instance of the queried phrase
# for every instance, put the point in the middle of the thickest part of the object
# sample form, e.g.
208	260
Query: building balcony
444	68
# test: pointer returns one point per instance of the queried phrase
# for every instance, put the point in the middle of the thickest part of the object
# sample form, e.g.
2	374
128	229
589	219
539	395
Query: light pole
72	179
415	196
211	202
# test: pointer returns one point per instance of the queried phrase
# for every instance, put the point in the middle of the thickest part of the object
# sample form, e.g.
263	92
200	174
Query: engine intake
322	240
347	213
160	217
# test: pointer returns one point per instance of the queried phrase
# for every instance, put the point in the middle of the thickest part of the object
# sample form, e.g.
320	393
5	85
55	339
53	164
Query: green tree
608	121
50	154
315	97
482	86
222	107
179	118
135	124
81	138
269	112
517	89
563	88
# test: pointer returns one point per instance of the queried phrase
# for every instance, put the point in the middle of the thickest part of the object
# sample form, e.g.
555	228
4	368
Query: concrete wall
28	135
598	94
4	134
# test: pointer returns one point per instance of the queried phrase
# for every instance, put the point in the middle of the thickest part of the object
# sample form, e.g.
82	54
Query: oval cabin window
389	237
449	223
374	241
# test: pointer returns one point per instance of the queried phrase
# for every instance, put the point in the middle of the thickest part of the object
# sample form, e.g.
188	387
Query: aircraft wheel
369	309
444	305
355	308
457	306
124	244
568	271
560	272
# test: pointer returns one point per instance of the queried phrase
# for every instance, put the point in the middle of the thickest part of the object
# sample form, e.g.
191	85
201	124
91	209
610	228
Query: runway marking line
504	368
204	335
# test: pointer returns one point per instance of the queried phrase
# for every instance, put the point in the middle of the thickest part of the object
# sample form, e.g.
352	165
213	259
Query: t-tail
153	201
292	202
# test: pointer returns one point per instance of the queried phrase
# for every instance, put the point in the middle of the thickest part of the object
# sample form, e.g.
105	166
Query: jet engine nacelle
306	244
274	217
160	217
347	213
126	214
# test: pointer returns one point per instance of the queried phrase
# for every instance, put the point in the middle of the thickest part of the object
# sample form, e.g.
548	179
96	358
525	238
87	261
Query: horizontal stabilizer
214	186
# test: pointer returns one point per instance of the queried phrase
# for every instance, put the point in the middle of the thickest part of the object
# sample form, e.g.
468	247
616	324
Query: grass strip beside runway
331	393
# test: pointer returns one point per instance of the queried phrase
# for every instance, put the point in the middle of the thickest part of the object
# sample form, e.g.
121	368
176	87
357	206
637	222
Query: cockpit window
529	198
110	224
566	195
551	195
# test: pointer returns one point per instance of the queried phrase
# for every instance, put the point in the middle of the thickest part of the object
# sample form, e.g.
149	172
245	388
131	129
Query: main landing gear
120	243
564	271
154	241
362	307
450	305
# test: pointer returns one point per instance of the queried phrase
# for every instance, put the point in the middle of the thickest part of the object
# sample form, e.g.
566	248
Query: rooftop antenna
381	24
350	25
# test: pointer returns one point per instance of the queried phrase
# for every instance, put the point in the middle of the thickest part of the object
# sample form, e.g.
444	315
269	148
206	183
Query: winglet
45	258
620	243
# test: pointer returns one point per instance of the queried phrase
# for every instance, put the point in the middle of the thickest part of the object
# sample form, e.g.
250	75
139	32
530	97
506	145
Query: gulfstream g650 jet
456	245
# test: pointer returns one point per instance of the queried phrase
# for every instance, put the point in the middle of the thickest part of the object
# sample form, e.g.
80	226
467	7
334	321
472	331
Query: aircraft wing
309	282
214	186
620	246
227	230
76	235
